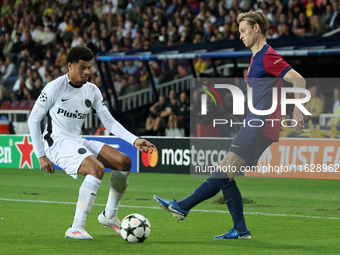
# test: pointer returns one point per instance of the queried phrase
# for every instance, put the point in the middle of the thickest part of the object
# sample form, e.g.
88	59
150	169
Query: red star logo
26	150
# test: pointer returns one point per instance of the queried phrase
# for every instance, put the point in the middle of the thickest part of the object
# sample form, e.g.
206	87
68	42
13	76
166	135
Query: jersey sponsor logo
233	145
43	97
64	99
88	103
73	115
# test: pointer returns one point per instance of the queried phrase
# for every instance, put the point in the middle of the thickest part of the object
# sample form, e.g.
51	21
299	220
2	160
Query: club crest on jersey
82	151
73	115
43	97
88	103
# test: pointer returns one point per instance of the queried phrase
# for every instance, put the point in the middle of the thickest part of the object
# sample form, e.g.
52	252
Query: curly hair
79	52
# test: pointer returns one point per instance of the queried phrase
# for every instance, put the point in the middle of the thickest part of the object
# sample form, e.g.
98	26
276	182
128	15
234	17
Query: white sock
118	183
87	195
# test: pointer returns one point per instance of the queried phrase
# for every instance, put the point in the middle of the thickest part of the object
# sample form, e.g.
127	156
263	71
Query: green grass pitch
286	216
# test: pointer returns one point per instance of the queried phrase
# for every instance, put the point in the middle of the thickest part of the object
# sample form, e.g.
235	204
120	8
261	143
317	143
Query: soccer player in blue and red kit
266	70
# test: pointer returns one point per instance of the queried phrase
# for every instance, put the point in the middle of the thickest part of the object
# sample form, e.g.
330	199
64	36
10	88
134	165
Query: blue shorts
249	145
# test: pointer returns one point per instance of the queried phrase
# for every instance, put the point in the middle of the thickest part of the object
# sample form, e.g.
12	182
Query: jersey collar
262	49
73	85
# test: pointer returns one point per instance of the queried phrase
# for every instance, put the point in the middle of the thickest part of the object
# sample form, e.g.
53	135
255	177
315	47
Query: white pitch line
151	207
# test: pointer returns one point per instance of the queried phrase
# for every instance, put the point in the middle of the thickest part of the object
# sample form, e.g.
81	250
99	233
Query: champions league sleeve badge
43	97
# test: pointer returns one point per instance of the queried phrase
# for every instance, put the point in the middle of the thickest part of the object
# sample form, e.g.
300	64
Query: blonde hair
254	17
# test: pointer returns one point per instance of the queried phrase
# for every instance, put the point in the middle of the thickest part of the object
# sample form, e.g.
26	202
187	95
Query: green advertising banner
16	151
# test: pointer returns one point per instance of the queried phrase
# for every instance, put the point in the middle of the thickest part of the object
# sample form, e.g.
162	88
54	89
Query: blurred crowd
170	112
35	35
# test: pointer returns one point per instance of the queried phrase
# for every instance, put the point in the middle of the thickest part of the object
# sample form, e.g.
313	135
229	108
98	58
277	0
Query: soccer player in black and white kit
65	102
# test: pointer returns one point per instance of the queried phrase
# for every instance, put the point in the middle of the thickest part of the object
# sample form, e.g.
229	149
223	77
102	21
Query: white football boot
77	234
113	222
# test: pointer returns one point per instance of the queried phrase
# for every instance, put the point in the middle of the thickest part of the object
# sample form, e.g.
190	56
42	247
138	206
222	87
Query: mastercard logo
150	159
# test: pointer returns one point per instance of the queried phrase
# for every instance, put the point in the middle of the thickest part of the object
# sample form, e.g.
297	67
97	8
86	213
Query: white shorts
69	153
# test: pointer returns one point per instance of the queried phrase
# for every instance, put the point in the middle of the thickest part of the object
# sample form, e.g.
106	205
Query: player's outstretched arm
144	146
298	82
46	164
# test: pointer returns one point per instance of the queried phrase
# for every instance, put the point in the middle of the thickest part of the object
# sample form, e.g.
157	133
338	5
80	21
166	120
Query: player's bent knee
98	171
125	162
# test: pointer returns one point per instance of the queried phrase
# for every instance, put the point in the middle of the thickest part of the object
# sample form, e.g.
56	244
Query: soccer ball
135	228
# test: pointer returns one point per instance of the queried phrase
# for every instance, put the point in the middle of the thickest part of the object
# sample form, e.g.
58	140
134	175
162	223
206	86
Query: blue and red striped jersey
265	72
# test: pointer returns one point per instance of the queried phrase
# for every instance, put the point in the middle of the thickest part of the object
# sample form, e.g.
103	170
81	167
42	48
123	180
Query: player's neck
258	46
73	82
